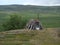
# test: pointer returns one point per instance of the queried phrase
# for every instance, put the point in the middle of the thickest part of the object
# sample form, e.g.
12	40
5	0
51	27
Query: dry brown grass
47	36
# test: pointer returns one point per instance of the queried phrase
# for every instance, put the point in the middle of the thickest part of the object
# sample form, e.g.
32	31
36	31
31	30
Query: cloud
31	2
46	2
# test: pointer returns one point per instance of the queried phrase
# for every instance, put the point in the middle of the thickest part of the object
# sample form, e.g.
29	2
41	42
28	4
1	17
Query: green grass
48	20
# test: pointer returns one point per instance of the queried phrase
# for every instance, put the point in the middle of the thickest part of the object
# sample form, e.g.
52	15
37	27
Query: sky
31	2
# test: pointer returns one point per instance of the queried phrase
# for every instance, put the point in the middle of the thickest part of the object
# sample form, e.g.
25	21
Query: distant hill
30	8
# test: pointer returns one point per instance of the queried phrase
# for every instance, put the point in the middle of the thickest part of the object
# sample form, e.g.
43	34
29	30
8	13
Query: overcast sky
31	2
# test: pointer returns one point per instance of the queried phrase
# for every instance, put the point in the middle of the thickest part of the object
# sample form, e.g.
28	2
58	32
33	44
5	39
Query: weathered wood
34	24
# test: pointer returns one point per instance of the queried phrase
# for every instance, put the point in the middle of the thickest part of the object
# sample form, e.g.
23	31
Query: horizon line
31	4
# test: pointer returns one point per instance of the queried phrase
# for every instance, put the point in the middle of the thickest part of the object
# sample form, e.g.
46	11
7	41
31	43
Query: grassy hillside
48	15
47	19
29	8
30	37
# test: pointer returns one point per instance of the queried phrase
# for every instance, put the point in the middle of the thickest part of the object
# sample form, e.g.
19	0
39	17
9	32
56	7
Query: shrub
14	22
